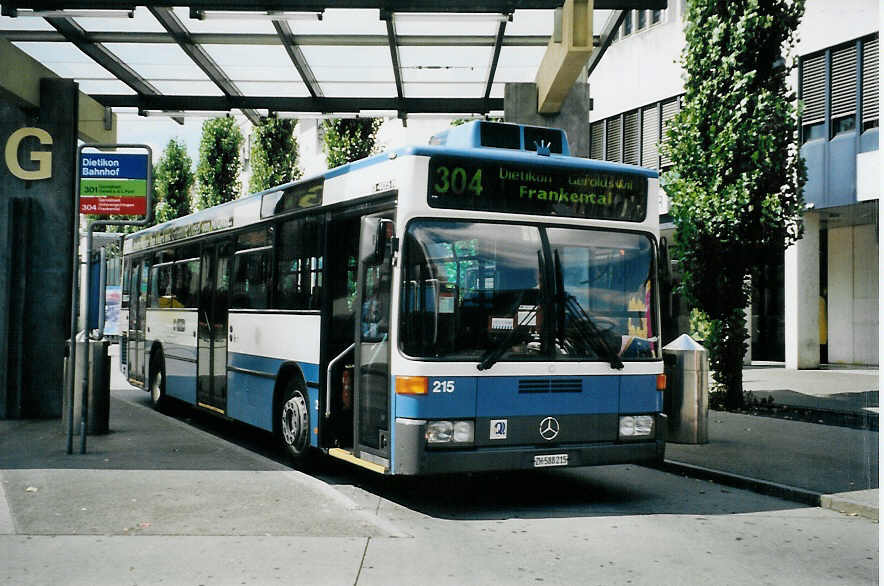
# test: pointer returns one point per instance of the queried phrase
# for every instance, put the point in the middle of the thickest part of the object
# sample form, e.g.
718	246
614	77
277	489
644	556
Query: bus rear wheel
158	382
294	423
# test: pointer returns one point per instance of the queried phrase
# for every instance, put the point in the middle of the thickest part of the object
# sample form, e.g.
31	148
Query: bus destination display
498	186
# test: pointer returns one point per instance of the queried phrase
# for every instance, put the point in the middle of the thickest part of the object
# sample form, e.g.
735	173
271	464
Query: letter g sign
42	158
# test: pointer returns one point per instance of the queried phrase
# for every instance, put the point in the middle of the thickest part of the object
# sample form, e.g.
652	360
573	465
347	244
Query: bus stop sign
113	183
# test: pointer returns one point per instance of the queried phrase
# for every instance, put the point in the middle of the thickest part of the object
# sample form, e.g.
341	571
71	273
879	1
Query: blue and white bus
484	302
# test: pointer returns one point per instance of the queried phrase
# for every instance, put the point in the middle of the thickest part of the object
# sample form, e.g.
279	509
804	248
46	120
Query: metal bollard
99	387
687	397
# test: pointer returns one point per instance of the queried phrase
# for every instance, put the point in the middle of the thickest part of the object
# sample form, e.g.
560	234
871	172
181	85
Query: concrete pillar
802	292
36	236
520	106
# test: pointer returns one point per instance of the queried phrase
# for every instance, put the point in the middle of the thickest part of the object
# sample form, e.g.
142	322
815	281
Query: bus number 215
443	386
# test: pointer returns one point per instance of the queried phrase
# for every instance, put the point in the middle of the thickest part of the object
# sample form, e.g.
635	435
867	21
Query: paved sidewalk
838	389
809	462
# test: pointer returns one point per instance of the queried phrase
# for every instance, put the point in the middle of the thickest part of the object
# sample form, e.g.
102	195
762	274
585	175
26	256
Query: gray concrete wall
520	106
36	233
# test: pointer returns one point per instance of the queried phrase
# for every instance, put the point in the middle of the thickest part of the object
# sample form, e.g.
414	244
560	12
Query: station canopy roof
293	58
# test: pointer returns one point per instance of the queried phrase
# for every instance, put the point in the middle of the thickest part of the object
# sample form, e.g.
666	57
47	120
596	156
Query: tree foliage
736	185
349	139
219	165
173	179
274	154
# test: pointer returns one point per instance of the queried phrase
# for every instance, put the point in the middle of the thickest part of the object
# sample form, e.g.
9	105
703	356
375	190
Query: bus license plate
551	460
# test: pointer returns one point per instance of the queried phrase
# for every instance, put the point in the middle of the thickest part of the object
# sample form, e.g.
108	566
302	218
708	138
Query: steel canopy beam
104	57
495	57
607	36
10	6
305	105
173	25
393	42
274	39
284	32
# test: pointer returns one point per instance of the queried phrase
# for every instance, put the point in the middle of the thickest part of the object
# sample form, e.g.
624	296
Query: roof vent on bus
500	135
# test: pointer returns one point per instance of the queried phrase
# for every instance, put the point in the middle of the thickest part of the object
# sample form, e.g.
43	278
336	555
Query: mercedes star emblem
549	428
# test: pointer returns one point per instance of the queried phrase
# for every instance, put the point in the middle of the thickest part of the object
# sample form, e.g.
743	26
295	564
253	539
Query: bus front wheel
158	382
294	422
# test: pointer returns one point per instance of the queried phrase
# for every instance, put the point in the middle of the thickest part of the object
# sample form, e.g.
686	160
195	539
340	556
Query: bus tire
158	380
294	422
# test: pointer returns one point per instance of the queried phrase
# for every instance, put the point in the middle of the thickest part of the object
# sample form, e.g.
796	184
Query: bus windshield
493	291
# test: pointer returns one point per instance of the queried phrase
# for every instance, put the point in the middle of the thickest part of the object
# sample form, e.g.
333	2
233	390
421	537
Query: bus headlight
439	432
450	432
636	426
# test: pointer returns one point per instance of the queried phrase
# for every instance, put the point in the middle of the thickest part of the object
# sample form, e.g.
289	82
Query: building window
627	24
870	84
612	144
813	131
642	19
843	89
656	16
597	140
813	97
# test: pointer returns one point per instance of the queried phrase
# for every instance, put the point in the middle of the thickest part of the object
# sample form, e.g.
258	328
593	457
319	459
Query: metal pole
84	398
102	287
145	222
75	305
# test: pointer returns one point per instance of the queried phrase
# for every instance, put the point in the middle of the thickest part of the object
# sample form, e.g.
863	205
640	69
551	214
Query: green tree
274	154
349	139
173	179
219	165
736	185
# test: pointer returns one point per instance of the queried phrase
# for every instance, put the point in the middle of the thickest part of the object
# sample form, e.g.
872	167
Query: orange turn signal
411	385
661	382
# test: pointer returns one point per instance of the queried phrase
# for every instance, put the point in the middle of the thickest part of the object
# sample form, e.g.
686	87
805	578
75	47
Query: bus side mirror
383	241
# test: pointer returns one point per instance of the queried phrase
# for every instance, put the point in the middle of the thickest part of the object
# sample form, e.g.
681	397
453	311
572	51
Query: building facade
819	303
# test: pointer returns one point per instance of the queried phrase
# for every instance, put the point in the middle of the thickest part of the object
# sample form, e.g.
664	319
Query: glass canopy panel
445	64
518	64
342	22
531	22
252	63
24	23
143	22
226	22
439	23
285	89
65	60
104	86
358	90
186	87
350	64
158	62
444	90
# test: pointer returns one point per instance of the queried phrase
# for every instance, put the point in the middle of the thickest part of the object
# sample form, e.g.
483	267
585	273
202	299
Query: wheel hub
294	422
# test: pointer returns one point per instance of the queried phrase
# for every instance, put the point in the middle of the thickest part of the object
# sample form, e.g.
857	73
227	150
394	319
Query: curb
783	491
852	503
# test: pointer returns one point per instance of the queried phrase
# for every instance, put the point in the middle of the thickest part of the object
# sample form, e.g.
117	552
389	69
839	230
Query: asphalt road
221	506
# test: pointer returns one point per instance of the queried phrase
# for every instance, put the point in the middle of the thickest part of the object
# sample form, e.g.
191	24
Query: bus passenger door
212	330
372	358
137	319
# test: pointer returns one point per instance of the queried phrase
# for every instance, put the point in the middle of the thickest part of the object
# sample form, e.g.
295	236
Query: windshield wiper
522	330
587	332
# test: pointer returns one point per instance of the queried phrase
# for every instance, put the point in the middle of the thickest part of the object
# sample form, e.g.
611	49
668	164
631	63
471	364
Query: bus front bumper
413	457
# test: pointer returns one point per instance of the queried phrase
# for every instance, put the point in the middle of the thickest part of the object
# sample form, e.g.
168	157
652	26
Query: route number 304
443	386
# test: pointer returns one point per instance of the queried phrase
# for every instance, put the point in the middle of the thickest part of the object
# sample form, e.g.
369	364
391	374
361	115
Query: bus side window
299	264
